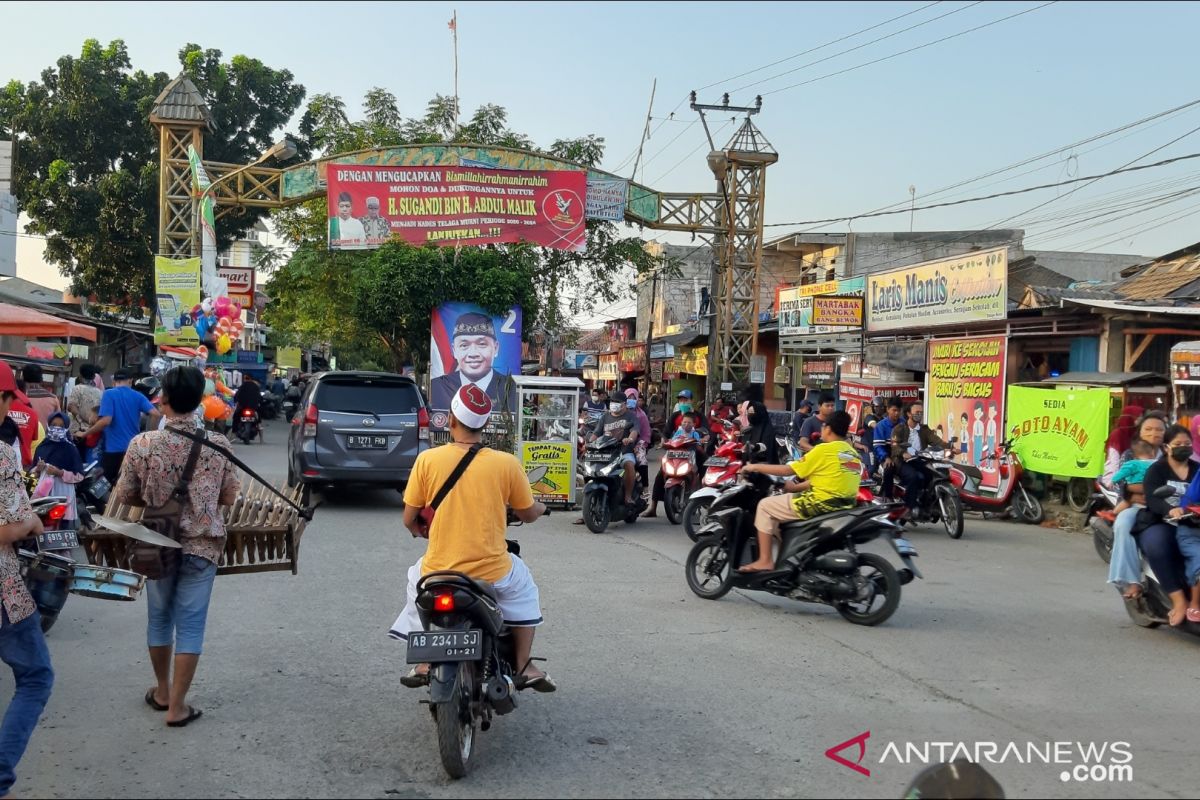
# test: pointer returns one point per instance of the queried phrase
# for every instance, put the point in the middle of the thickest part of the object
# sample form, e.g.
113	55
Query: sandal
193	715
542	683
1193	615
150	701
415	679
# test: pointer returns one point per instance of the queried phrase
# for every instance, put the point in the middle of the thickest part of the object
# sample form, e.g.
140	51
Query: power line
1089	178
912	49
823	46
857	47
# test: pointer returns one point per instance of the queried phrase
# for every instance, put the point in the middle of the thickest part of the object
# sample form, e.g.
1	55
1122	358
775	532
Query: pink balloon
236	309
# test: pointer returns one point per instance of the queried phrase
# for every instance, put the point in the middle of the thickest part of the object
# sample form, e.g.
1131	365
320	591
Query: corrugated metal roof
181	100
1117	305
1160	279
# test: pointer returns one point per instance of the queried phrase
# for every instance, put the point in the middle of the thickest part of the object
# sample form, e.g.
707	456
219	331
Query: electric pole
650	330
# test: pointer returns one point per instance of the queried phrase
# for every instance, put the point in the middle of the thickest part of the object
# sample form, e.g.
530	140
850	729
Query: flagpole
454	28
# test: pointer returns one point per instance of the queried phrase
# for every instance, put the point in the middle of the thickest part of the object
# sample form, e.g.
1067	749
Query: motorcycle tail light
865	496
443	603
1003	470
247	413
57	512
956	478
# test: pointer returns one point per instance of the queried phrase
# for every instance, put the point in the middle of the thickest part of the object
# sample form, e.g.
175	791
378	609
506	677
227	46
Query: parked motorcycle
1012	491
471	656
91	494
940	501
1150	608
1100	519
681	475
245	427
604	486
818	559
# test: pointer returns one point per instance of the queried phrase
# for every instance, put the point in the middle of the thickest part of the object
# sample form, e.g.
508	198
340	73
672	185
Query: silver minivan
357	427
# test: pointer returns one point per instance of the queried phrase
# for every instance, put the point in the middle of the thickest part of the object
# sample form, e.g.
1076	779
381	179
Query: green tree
87	166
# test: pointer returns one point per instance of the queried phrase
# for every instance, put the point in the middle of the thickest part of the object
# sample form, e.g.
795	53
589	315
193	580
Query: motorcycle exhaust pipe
501	694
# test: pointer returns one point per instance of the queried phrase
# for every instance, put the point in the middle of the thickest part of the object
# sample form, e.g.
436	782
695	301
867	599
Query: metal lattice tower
741	172
181	118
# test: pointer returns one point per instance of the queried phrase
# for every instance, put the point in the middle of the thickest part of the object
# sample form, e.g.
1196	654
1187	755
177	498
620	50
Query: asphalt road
1012	638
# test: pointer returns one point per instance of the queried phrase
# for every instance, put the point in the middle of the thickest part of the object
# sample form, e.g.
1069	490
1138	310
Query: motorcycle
681	472
940	501
269	408
818	559
1012	493
91	494
47	559
1150	608
471	656
720	472
604	486
1100	518
246	425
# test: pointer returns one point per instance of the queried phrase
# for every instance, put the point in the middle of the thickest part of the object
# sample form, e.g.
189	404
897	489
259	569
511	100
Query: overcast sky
849	143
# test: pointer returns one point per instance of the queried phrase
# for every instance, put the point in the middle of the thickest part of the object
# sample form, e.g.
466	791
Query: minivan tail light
422	424
310	419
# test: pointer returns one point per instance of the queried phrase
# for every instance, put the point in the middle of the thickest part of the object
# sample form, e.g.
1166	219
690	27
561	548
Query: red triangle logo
856	765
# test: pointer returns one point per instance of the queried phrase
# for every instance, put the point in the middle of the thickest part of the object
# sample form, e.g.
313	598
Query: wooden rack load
262	533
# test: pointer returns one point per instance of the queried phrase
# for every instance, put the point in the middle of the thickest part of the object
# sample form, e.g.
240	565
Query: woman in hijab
757	428
1119	441
57	462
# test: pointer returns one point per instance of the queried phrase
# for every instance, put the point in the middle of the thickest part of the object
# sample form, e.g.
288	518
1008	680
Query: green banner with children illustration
1059	431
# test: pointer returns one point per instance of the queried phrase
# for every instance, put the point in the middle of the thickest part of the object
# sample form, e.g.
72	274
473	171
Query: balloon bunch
227	329
215	391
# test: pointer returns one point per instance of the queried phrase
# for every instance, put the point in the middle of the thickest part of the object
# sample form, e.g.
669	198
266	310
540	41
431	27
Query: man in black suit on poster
475	348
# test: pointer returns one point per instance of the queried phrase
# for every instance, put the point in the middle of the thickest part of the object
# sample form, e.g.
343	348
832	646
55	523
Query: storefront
820	324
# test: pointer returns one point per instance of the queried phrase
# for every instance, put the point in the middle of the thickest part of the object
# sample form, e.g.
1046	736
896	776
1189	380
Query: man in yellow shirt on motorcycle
827	480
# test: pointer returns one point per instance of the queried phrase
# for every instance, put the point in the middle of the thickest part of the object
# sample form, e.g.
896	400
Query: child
58	459
1132	472
687	428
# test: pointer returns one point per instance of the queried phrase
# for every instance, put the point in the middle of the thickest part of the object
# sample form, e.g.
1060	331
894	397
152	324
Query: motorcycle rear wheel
674	501
1102	538
695	514
1026	507
456	726
887	583
951	509
595	512
708	569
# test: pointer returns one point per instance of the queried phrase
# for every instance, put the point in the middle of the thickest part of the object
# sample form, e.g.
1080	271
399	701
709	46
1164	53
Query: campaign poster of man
471	346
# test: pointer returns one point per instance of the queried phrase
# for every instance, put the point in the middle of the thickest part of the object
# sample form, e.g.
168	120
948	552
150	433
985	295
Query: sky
848	143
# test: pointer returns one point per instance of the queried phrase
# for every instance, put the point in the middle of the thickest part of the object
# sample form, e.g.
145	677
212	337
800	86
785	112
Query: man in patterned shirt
178	604
22	645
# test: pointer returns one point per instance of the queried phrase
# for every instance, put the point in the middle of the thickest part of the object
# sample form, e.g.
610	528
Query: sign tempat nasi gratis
836	310
177	292
951	290
548	468
370	204
1059	432
964	398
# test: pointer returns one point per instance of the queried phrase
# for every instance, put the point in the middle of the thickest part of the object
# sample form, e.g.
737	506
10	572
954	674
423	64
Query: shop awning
32	324
1117	305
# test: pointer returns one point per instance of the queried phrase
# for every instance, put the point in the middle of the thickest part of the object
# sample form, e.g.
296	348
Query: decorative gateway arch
729	219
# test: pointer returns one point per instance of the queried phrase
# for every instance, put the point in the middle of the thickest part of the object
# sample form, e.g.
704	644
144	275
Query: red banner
455	205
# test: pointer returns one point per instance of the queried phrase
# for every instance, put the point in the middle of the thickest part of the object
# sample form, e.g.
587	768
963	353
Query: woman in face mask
57	462
1156	524
757	428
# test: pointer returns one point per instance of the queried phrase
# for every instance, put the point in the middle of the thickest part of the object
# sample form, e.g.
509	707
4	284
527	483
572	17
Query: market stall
548	436
1185	375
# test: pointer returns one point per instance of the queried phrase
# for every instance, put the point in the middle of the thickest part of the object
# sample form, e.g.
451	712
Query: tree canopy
86	166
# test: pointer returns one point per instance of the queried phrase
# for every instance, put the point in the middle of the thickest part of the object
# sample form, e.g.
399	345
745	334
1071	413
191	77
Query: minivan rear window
375	396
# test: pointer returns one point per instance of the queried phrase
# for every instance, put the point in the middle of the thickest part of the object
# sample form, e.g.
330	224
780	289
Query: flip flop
543	683
193	714
150	701
414	680
1193	615
578	521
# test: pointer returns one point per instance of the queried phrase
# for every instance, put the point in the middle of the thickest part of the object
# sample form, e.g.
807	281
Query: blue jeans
23	648
1125	566
1188	539
177	606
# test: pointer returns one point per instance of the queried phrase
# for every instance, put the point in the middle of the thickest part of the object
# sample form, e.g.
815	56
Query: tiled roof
1163	277
181	100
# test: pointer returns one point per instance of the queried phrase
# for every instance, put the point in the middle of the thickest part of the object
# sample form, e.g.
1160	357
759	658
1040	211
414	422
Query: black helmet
150	386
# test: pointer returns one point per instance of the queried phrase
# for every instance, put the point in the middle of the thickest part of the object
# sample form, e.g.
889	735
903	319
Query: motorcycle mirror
960	779
760	448
1163	492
